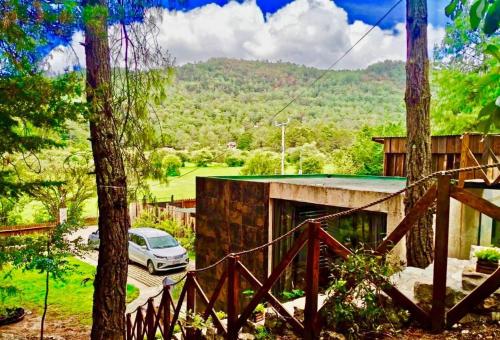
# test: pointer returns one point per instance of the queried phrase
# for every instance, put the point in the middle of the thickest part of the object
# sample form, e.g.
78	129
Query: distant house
231	145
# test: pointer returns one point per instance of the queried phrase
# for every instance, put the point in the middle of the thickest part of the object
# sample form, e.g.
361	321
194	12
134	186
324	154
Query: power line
338	60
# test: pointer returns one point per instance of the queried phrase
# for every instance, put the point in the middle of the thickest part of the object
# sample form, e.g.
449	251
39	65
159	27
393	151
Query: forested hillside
226	100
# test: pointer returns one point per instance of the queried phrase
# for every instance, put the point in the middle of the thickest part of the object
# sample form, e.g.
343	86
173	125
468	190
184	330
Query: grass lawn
181	187
68	298
184	186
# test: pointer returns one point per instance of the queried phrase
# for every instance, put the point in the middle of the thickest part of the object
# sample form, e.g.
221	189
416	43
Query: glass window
495	233
160	242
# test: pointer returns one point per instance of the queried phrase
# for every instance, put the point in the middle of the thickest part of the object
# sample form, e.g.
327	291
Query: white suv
153	248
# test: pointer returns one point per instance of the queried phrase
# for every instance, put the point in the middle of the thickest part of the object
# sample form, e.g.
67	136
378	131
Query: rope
348	212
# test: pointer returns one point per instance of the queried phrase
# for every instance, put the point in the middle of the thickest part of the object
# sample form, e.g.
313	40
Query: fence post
464	156
233	297
150	320
440	254
129	326
311	330
166	309
190	306
139	323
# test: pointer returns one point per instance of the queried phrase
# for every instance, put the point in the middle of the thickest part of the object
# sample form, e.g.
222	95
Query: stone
331	335
423	294
246	336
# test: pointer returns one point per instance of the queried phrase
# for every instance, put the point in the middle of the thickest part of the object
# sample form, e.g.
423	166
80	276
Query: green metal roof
349	182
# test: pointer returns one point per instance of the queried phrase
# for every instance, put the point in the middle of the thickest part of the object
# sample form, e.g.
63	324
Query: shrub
313	164
202	157
355	304
488	254
171	165
262	163
234	159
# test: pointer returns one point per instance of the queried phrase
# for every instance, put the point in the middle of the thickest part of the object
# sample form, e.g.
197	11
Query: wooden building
447	152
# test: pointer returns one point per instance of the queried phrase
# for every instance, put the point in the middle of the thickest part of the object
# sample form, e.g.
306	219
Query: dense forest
225	100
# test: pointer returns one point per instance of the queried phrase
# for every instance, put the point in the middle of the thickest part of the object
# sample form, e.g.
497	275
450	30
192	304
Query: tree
108	311
71	184
262	163
419	240
470	57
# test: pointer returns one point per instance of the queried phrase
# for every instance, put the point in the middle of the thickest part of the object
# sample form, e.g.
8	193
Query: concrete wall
465	223
230	216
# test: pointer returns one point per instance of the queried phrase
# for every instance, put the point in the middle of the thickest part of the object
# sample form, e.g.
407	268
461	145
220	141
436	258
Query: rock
423	294
331	335
246	336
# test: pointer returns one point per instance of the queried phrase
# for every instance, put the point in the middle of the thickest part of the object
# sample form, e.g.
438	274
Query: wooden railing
163	318
490	176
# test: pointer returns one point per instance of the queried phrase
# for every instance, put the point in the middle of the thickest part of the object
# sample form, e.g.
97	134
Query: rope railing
348	212
329	217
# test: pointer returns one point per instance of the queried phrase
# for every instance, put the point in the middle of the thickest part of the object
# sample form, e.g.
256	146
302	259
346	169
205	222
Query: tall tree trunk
419	241
108	312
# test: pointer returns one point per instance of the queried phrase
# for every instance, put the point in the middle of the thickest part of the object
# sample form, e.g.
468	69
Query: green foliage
488	254
260	308
261	332
355	304
202	157
481	12
225	100
234	158
262	162
473	59
165	164
313	164
70	187
293	294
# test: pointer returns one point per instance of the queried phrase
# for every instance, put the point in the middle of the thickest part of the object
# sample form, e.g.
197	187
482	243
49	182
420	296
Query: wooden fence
25	229
181	211
146	323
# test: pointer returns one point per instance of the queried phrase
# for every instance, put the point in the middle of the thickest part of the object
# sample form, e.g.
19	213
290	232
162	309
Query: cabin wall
231	216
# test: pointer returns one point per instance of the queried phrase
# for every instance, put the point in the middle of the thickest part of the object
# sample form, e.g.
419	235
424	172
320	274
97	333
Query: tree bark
419	241
108	312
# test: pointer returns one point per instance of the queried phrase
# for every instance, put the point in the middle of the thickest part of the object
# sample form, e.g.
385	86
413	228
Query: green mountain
224	100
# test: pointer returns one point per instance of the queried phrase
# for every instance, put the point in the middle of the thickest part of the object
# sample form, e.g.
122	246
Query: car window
139	240
159	242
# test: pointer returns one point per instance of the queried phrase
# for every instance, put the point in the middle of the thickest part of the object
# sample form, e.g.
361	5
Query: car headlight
160	257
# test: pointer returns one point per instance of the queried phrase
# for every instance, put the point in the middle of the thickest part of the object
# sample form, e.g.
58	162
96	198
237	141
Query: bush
355	305
202	157
234	159
262	163
313	164
171	165
489	254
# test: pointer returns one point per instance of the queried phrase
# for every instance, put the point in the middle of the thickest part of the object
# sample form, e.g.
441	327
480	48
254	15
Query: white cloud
309	32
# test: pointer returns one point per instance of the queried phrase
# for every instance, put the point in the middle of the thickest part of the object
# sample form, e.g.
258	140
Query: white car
153	248
156	249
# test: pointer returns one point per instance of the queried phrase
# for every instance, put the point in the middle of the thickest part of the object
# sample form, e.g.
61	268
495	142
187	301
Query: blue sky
368	11
307	32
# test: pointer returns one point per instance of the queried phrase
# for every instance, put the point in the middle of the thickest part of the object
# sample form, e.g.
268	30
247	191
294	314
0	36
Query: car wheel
151	267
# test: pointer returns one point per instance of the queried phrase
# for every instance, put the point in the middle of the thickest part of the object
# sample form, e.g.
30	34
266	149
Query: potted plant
259	313
487	260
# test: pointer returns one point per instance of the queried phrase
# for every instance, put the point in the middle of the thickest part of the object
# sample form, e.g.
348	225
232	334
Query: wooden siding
446	152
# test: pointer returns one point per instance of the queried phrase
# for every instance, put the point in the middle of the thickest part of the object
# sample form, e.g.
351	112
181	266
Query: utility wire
337	61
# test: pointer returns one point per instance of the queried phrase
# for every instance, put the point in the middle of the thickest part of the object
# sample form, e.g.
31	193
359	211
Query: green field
182	187
71	297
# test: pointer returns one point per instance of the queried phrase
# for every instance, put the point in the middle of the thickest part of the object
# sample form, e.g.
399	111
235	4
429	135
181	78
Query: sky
308	32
